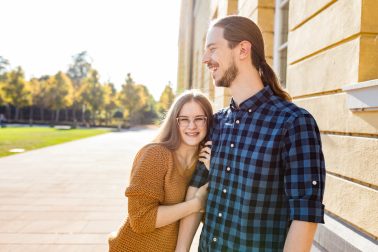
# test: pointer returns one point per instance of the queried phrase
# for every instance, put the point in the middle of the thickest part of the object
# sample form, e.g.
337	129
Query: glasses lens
200	121
183	122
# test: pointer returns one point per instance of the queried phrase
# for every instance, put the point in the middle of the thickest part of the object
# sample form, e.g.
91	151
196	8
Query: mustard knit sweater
156	179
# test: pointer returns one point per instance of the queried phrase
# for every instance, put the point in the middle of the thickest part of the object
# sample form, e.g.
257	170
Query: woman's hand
205	154
201	195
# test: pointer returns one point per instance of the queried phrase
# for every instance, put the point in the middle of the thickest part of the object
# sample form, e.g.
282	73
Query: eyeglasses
184	121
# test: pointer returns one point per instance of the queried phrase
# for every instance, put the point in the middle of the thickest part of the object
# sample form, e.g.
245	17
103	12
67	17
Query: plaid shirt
267	169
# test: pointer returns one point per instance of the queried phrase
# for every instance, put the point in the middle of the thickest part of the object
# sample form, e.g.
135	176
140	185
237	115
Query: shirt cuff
306	210
200	176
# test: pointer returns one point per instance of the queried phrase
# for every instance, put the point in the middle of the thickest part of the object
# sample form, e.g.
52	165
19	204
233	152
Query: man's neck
246	85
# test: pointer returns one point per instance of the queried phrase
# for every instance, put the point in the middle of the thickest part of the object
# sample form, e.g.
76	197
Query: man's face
219	58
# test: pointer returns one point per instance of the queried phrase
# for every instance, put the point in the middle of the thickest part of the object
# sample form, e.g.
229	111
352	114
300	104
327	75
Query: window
281	29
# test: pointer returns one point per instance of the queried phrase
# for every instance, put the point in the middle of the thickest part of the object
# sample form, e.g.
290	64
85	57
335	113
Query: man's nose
205	58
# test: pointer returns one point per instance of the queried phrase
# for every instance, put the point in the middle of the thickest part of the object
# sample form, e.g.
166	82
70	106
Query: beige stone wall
333	44
184	46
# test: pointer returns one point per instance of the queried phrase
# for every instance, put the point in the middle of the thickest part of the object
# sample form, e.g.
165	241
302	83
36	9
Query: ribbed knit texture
155	180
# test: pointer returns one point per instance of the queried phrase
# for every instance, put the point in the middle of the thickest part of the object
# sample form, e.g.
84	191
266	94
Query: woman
160	176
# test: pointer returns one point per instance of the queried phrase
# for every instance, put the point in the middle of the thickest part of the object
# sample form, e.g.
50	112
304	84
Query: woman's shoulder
153	151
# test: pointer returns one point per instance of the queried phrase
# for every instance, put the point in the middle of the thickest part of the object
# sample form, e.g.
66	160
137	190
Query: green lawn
37	137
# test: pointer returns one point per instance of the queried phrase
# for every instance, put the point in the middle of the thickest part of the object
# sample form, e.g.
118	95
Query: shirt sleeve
304	170
200	176
146	190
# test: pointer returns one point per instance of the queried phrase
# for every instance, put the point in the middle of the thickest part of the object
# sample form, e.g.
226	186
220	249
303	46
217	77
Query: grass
38	137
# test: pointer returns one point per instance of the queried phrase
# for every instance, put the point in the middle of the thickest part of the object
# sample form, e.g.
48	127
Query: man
267	172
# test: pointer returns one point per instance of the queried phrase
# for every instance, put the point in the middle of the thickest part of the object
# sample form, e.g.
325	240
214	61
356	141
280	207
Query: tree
129	97
15	90
110	101
4	63
146	107
166	98
37	90
93	94
77	71
59	92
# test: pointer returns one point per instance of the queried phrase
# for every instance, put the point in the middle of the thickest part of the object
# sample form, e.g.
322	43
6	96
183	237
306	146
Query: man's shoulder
288	109
221	112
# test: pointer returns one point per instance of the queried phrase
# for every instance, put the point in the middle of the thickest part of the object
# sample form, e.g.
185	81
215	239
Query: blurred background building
326	55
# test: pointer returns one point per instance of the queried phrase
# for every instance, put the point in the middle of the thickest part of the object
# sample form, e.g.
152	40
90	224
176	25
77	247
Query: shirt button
314	182
220	214
249	110
232	145
228	168
224	190
237	121
214	239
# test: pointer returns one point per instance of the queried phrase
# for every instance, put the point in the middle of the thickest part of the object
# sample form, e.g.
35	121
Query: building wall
331	44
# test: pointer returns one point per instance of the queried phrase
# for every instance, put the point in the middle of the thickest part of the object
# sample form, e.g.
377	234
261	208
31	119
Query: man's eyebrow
208	45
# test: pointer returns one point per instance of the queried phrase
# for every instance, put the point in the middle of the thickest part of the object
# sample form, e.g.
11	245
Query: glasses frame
191	120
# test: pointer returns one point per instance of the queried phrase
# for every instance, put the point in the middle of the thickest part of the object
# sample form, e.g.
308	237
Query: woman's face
192	124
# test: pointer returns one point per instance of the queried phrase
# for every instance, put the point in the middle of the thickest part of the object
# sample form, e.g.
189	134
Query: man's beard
228	76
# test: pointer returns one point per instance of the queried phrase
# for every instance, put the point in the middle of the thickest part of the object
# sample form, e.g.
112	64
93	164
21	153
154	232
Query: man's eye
212	49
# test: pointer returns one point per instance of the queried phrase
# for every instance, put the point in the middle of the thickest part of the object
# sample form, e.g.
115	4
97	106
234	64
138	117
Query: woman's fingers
208	143
204	155
206	150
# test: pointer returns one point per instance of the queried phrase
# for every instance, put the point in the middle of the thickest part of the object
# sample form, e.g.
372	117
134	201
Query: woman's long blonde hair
169	134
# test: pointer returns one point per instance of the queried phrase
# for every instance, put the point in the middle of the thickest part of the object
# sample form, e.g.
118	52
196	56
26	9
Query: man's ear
245	49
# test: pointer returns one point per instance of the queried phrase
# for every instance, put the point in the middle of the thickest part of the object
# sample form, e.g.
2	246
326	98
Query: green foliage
80	88
137	103
77	72
93	94
59	92
80	68
166	99
16	91
4	63
110	101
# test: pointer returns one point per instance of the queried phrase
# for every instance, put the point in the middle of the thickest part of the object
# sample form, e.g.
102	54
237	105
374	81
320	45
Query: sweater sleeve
146	190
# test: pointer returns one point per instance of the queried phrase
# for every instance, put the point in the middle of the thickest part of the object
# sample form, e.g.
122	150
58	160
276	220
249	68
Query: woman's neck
186	154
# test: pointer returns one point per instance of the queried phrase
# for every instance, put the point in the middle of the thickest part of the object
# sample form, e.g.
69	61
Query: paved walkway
67	197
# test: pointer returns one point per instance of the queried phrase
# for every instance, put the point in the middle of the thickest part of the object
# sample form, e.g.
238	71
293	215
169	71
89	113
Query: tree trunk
66	115
31	115
94	117
74	112
57	115
42	111
83	114
8	111
16	113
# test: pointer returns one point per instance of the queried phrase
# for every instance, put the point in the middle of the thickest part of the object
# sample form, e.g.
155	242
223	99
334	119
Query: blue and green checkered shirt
267	169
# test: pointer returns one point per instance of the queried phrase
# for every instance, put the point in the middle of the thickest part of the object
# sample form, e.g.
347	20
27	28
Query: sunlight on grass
34	138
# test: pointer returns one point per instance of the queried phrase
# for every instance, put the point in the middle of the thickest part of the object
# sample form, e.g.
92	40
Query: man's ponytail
269	77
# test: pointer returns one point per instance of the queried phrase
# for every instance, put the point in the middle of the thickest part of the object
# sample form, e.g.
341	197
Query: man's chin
220	84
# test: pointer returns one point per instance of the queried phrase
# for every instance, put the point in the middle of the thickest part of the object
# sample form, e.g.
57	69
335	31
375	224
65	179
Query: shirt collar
253	102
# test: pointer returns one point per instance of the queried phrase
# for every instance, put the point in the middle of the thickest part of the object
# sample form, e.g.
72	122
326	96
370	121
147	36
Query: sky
121	36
